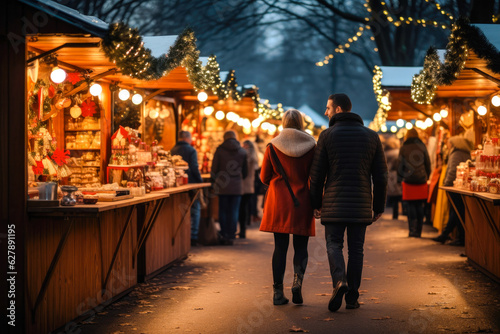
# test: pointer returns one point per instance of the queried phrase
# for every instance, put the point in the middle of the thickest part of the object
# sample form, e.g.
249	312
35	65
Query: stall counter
482	229
83	257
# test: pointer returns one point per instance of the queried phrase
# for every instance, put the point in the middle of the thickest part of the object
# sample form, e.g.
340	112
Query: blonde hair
292	118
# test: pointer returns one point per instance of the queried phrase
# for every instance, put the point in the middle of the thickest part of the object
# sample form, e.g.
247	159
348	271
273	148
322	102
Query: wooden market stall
470	83
70	261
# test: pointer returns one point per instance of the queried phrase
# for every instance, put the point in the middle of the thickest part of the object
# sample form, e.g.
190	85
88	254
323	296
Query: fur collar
293	142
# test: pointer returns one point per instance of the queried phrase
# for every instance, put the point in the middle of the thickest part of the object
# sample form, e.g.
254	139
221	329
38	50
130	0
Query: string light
408	125
481	110
437	117
58	75
208	110
400	122
443	113
124	95
95	89
137	99
495	101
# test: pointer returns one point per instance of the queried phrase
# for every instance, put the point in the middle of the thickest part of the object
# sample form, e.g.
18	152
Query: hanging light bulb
385	100
219	115
495	100
394	129
443	113
153	113
481	110
137	99
95	89
208	110
428	122
400	123
437	117
383	128
265	126
419	124
124	94
408	125
57	75
202	96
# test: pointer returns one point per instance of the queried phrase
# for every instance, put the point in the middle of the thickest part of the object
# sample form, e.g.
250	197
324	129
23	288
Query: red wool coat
280	215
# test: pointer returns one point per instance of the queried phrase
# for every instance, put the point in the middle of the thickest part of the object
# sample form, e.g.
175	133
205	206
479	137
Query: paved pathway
409	286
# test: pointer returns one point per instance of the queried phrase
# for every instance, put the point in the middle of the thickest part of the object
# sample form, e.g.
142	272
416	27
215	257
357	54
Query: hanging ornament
88	108
38	169
75	111
33	71
60	157
63	103
74	77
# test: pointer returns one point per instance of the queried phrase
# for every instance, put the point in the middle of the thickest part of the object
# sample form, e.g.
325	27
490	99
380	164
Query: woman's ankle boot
279	296
297	289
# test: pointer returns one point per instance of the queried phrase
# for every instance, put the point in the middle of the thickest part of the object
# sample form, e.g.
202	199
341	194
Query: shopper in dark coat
351	159
229	168
391	146
414	168
460	148
189	154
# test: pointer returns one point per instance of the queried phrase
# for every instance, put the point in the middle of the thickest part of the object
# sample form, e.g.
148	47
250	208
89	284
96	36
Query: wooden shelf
83	149
81	130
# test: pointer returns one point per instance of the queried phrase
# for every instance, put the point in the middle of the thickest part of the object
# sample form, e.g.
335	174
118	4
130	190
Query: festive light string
397	22
383	100
438	7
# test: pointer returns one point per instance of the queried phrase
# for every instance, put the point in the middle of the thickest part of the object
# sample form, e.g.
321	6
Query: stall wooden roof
94	59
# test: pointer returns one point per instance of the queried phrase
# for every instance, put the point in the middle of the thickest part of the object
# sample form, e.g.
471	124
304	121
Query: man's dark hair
341	100
184	135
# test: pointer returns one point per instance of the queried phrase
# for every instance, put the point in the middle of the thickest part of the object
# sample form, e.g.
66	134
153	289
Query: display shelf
83	149
81	130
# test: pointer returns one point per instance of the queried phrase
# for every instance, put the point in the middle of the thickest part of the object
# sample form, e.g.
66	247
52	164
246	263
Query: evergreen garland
463	36
125	47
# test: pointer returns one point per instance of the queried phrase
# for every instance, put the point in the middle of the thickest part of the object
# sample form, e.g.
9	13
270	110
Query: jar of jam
482	183
494	186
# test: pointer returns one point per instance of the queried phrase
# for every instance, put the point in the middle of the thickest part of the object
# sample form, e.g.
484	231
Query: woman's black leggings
281	241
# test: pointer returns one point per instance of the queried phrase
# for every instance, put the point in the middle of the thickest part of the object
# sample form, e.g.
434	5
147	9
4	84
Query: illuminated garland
125	47
384	104
435	73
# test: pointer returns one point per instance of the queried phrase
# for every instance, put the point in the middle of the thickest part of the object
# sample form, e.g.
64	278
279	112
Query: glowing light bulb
383	128
428	122
57	75
481	110
220	115
95	89
137	99
153	113
265	126
280	128
419	124
495	100
208	110
202	96
124	95
385	100
443	113
409	125
437	117
400	123
394	129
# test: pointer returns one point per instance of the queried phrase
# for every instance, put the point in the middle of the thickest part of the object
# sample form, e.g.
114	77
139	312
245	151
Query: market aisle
409	286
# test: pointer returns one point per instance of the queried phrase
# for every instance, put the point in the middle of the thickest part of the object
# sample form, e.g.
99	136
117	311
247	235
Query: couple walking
342	180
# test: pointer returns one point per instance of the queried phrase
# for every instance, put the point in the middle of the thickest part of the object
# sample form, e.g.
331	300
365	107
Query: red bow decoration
38	169
88	108
60	157
74	77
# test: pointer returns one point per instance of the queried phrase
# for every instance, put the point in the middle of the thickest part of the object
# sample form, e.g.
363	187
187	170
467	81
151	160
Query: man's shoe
297	289
278	295
337	295
351	306
441	238
226	242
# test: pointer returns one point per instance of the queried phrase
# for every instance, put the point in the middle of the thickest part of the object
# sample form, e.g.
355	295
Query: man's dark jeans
334	234
229	208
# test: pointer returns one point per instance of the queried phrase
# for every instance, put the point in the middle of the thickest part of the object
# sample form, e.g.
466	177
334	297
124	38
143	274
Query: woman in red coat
295	150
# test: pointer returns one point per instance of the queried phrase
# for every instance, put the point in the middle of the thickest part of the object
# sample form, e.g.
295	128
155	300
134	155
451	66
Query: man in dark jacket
229	168
189	155
351	159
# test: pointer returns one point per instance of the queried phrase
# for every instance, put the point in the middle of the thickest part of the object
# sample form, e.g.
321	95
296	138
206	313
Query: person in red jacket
295	150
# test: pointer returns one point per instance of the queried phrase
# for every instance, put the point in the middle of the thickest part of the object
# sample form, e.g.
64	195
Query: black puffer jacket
414	164
350	156
229	168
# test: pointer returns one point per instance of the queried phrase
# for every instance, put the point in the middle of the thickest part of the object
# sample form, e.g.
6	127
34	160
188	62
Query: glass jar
482	183
474	184
494	186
